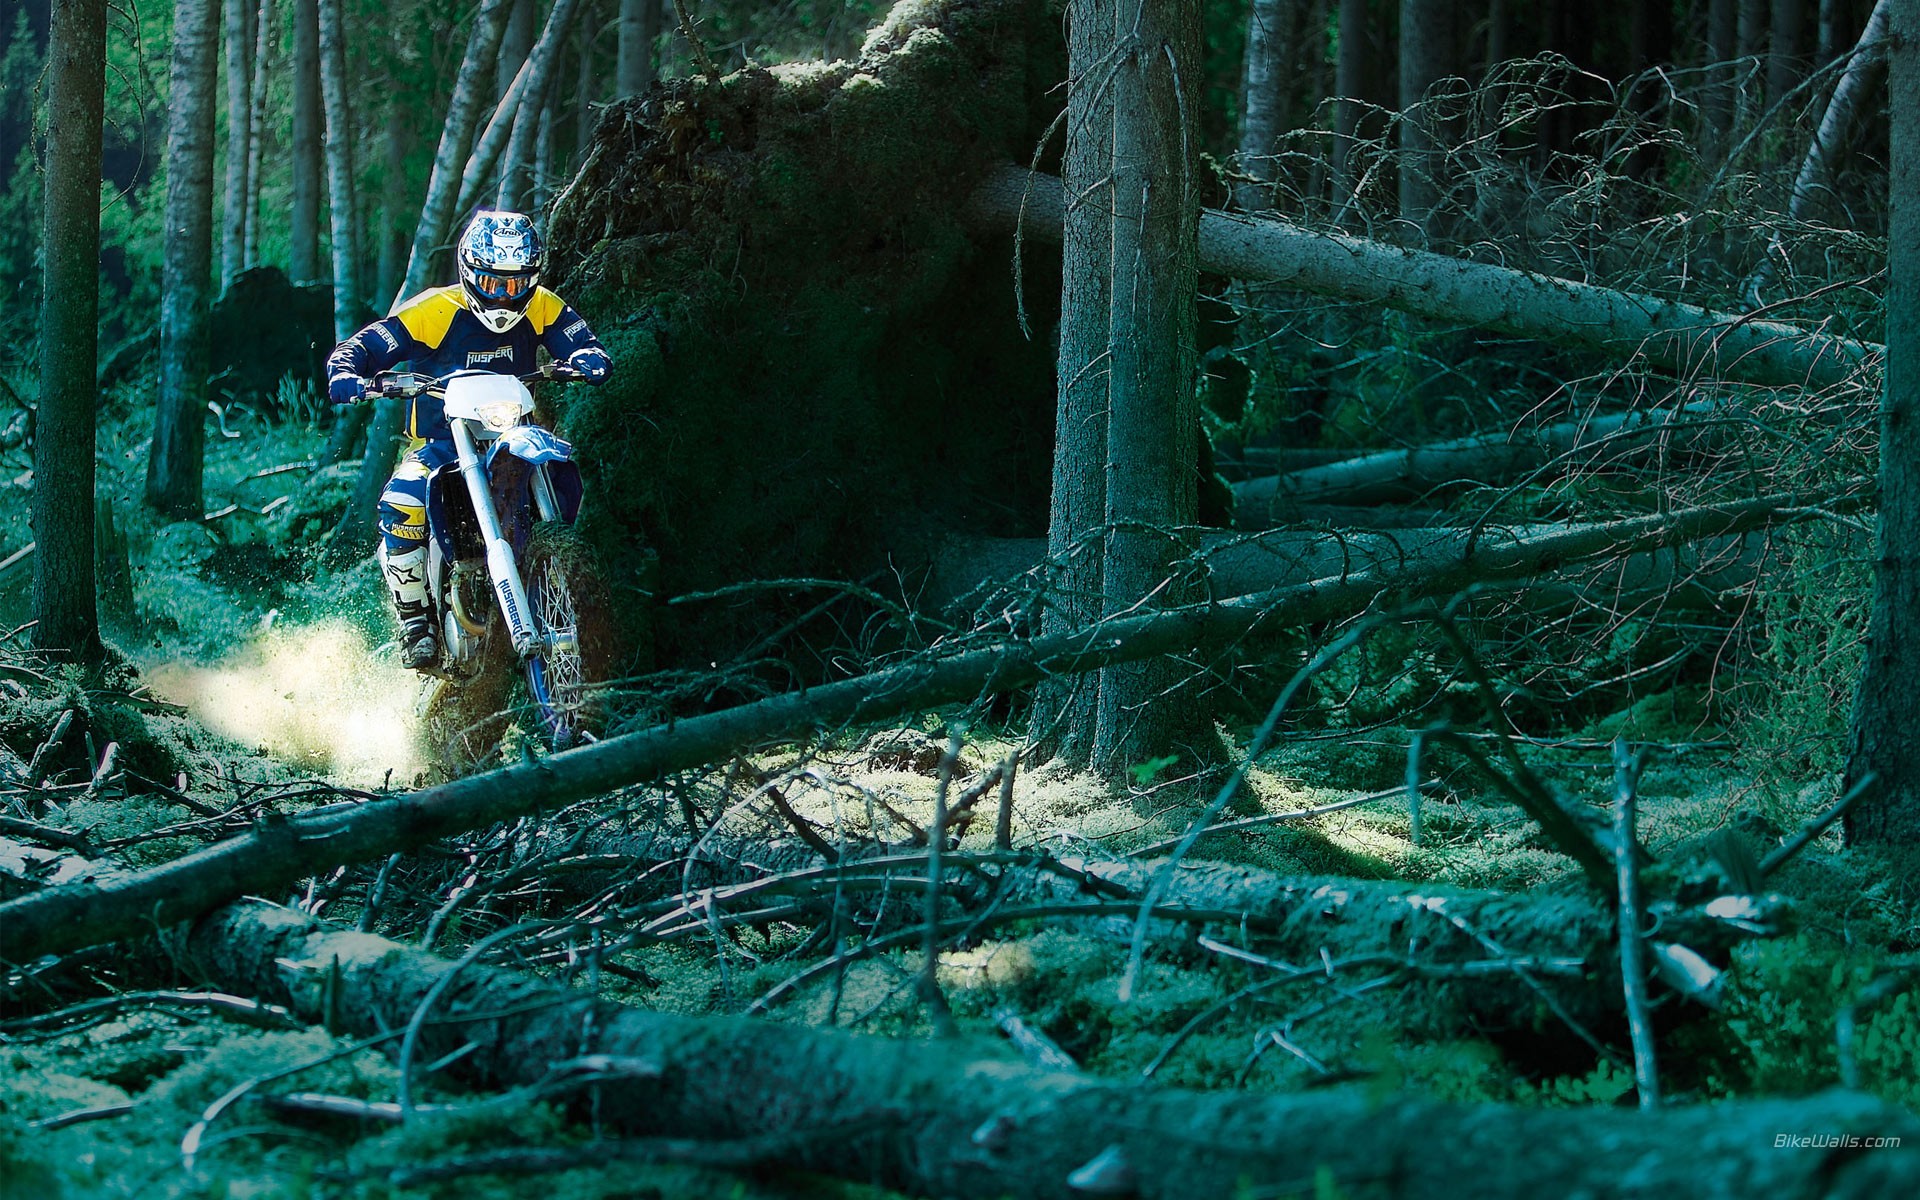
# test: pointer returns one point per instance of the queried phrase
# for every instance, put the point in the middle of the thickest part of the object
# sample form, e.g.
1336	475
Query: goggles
502	287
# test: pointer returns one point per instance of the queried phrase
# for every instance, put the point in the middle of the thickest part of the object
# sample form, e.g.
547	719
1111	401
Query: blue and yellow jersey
435	333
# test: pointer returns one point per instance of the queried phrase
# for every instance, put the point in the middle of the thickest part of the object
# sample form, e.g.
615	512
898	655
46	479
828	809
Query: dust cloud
315	696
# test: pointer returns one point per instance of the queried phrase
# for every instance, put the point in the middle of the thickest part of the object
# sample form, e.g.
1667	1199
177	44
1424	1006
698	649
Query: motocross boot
406	575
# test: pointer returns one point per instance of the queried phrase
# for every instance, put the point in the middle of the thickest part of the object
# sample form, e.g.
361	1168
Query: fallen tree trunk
1236	463
1480	960
937	1119
1684	339
1497	458
281	851
970	571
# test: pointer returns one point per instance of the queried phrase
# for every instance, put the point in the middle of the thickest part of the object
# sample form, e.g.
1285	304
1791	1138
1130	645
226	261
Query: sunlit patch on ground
316	696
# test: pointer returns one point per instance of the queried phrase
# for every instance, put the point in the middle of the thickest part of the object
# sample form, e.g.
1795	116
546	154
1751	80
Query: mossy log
281	851
1480	960
954	1119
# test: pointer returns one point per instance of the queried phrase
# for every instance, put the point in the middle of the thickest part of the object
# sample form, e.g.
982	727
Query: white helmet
500	258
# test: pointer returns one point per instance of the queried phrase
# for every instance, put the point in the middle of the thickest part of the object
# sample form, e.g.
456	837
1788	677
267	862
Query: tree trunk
303	254
583	96
516	41
1063	709
1886	724
392	237
1153	415
1349	84
639	27
1499	49
1680	338
1827	41
279	853
1839	117
266	44
63	444
1342	541
1751	48
1567	938
1267	81
515	174
1493	458
240	15
543	153
929	1119
1426	57
179	437
347	305
463	110
436	214
112	572
1722	45
1785	62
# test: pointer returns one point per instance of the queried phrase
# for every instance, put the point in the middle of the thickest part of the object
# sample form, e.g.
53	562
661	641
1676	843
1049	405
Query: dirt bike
508	579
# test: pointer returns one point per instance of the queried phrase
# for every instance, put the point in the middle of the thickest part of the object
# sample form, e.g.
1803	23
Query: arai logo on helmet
505	242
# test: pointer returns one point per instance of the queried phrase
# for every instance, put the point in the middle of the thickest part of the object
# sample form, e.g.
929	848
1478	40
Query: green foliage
1777	1033
1793	704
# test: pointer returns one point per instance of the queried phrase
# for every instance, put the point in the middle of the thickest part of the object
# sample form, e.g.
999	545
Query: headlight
499	416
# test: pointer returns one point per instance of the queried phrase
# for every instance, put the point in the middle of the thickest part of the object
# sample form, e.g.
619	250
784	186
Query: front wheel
565	681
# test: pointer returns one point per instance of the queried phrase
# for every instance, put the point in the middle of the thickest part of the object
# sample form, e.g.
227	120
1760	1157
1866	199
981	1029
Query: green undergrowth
1774	1034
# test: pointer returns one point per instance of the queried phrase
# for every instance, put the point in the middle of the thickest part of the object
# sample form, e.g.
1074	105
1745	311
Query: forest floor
256	668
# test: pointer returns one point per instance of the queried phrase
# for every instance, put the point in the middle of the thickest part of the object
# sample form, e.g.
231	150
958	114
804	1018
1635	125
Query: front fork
507	587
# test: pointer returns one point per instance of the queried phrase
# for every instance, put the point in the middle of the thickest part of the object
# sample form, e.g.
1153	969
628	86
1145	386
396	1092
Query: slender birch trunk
477	178
463	110
347	304
436	214
516	41
394	236
179	437
266	42
67	616
1840	114
239	45
583	96
1263	93
543	155
526	120
303	253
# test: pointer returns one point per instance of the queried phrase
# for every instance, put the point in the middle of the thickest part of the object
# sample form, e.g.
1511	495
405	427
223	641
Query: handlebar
404	385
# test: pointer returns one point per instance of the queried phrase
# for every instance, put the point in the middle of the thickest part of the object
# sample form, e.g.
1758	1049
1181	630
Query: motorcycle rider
494	319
